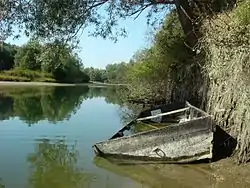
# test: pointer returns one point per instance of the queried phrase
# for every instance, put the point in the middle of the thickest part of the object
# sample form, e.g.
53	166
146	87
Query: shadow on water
35	103
54	164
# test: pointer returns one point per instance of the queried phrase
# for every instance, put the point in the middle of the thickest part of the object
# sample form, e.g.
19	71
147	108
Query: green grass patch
21	75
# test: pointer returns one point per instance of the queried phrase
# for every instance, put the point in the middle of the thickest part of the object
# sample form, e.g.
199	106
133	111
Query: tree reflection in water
33	104
54	164
1	183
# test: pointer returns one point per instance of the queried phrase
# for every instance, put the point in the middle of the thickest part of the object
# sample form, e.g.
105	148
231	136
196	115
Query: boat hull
188	141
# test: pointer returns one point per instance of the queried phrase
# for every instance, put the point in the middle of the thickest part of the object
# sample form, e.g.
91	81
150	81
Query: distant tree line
113	73
35	61
53	62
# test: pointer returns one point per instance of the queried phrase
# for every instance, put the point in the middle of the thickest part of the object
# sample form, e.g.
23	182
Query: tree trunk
187	17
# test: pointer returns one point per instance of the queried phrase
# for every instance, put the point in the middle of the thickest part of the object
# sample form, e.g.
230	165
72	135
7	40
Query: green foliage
51	62
95	74
62	19
7	54
18	74
60	61
27	56
153	72
27	73
243	13
115	73
4	77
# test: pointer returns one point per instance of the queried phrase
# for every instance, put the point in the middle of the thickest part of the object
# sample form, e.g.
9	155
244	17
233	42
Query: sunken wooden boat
178	133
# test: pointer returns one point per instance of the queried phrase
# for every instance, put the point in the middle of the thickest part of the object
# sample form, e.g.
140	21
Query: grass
21	75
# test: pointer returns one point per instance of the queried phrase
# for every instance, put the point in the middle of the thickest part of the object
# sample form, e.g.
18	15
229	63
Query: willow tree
64	19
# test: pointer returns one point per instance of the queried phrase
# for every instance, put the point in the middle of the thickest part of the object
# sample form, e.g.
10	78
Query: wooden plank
163	114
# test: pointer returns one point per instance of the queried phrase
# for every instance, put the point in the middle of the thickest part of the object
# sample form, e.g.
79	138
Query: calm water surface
46	138
46	134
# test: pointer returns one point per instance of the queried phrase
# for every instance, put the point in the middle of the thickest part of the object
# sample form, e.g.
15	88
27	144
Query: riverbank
8	83
96	84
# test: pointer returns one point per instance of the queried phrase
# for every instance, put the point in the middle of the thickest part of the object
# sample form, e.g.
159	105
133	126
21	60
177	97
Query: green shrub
45	79
25	76
13	78
27	73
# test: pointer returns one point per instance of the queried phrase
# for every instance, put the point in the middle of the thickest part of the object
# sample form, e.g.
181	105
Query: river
46	138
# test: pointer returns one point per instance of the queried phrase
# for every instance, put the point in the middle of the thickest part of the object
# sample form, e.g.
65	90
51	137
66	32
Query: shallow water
46	138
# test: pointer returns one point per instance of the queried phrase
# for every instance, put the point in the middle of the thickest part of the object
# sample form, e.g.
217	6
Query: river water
46	138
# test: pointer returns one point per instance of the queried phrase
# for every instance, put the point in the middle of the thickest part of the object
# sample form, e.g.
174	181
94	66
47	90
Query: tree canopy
65	18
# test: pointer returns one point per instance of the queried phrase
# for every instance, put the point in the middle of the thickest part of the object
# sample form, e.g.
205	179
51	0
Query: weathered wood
197	109
188	142
185	141
163	114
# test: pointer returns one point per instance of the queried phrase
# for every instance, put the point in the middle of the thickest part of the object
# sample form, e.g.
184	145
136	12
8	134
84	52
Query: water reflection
160	175
1	184
33	104
54	164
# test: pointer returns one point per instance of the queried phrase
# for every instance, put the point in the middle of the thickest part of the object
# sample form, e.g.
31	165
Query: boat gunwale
187	104
150	131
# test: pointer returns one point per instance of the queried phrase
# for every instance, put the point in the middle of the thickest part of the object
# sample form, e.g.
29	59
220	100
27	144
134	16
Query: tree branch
167	2
151	2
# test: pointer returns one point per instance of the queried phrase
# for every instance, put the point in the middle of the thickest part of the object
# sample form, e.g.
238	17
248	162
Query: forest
200	54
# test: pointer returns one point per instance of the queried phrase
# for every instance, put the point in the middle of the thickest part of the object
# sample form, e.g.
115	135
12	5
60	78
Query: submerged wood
188	141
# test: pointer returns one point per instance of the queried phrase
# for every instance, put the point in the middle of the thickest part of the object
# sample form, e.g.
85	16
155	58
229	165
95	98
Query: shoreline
11	83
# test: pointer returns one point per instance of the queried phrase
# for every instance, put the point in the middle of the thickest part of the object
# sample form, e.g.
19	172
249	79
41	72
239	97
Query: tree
58	58
7	56
27	56
63	19
116	72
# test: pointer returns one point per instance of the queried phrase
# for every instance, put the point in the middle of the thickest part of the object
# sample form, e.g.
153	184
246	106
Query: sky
97	52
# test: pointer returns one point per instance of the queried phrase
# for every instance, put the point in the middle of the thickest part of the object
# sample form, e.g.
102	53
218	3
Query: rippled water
46	138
